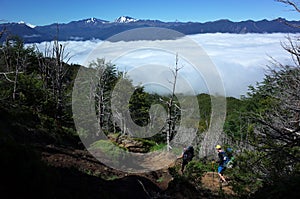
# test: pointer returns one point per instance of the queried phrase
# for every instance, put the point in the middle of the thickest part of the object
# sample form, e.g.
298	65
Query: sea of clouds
240	59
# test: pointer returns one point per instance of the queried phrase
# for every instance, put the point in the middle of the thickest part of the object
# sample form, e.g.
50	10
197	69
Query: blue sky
39	12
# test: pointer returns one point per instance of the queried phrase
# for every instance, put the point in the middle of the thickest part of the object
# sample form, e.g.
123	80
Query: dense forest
43	156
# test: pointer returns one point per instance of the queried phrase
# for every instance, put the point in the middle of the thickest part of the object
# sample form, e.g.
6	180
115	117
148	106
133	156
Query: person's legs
220	172
183	165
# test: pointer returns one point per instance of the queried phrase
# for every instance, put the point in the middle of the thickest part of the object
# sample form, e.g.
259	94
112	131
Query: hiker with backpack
187	155
223	160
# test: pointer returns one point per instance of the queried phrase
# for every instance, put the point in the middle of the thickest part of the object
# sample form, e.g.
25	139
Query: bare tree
172	108
295	6
277	131
44	66
52	70
291	3
15	61
105	79
278	127
275	118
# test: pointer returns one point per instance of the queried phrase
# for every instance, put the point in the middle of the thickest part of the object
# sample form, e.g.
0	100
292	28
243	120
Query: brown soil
155	184
82	160
211	181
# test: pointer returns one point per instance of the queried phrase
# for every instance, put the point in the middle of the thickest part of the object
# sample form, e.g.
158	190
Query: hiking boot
225	183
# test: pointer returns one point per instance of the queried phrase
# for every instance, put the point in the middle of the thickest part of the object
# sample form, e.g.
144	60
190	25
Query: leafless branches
6	76
293	49
15	62
295	7
171	104
53	71
291	3
279	126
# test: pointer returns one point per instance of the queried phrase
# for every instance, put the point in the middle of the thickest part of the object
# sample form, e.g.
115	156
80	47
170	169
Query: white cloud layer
240	59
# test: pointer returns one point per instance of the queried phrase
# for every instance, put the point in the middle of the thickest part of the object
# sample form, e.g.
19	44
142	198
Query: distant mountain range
94	28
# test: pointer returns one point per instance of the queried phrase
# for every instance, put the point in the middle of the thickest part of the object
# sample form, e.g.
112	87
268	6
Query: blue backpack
230	158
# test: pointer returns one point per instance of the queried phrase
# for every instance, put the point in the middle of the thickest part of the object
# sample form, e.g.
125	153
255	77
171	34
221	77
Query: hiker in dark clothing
187	155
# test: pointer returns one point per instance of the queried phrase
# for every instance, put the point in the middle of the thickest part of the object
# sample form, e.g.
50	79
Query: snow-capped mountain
27	24
93	20
93	28
125	19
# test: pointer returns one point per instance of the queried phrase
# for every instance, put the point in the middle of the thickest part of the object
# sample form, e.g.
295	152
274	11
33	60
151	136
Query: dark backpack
188	153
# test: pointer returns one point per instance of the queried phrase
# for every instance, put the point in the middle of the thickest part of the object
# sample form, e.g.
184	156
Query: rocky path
210	180
82	160
151	183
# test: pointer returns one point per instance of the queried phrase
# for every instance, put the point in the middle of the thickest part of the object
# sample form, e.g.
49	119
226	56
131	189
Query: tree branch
291	3
6	77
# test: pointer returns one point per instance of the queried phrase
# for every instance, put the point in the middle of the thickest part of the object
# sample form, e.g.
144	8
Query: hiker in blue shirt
223	159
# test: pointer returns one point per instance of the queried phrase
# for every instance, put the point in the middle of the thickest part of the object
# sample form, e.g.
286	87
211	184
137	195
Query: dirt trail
210	180
83	161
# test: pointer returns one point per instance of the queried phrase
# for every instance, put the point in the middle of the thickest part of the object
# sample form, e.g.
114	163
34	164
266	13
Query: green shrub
195	169
111	151
158	147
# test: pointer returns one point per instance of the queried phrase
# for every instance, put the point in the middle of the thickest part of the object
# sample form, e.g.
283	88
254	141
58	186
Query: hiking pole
213	170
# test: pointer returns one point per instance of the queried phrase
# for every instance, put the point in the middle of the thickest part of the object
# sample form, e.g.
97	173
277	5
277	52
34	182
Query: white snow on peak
30	25
91	20
125	19
95	20
27	24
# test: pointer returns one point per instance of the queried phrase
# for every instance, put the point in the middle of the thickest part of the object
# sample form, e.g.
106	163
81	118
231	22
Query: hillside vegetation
42	154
